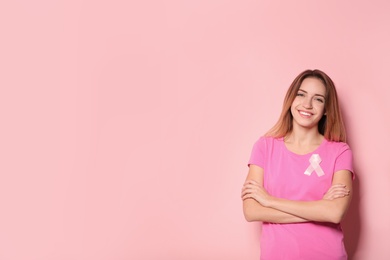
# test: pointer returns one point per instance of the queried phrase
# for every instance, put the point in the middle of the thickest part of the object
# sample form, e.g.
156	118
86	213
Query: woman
300	175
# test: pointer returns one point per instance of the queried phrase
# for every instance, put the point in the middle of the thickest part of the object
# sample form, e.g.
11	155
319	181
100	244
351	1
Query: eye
320	100
300	94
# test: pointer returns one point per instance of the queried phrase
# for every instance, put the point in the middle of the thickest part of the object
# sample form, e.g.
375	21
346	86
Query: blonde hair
331	125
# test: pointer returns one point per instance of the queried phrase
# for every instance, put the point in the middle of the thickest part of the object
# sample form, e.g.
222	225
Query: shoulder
342	155
337	147
268	144
268	141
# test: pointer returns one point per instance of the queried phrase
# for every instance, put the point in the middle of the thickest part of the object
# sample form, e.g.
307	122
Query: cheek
321	108
294	103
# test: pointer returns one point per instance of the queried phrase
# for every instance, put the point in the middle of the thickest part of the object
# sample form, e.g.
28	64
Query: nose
307	103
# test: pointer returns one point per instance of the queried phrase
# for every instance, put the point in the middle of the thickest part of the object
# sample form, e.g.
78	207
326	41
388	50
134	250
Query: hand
253	190
336	191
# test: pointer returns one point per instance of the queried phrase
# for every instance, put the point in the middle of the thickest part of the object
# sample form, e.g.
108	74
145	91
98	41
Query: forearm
320	210
254	211
323	210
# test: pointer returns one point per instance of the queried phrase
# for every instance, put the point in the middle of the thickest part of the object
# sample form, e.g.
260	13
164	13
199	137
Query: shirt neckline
306	154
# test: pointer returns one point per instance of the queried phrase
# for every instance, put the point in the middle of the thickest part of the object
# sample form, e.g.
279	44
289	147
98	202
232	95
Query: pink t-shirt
300	177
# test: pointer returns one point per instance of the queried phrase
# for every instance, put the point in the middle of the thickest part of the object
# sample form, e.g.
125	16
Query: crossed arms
258	205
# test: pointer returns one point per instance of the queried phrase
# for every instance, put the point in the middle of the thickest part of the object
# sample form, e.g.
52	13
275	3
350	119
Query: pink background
126	127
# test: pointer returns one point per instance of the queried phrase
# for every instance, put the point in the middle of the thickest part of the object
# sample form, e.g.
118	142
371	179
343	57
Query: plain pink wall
126	127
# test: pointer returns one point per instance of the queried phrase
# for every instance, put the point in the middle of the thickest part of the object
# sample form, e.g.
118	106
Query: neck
304	136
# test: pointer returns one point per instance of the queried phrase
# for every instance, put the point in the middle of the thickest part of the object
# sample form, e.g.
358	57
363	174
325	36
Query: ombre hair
331	125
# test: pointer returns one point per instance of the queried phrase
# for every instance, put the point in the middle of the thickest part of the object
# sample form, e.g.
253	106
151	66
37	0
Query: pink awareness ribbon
315	161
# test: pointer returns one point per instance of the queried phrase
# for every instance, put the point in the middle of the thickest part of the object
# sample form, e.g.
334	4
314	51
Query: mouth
304	113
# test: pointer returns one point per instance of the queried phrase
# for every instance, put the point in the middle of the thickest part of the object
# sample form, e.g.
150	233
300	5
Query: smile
305	113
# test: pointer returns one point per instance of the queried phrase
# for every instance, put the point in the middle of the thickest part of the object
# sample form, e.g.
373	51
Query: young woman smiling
300	176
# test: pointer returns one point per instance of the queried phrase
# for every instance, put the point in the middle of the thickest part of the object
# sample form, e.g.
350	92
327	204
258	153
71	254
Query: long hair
331	125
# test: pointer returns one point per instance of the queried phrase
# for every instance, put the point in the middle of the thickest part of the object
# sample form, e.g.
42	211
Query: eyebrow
314	94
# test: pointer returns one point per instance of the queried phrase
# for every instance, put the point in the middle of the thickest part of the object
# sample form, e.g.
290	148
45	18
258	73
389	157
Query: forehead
313	85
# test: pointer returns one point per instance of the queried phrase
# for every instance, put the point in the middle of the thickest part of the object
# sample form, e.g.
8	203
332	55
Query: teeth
305	113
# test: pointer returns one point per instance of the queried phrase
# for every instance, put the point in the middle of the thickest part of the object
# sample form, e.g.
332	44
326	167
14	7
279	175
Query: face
308	106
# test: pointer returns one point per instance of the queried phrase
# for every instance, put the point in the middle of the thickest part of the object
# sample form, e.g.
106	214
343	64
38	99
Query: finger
340	196
339	185
337	189
246	191
250	186
250	189
252	182
335	196
247	196
342	190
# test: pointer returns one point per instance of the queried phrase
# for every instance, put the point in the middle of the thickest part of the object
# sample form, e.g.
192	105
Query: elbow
249	218
336	217
334	211
249	214
335	220
253	211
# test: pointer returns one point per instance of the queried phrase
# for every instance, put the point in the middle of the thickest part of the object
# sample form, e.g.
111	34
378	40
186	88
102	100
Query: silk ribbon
315	161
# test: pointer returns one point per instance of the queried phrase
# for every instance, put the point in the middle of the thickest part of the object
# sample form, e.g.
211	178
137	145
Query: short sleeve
344	160
258	153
